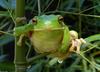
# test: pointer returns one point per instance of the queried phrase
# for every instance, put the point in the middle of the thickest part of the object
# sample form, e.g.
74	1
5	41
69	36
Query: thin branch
86	15
48	5
79	18
3	32
30	60
39	8
58	4
89	8
90	48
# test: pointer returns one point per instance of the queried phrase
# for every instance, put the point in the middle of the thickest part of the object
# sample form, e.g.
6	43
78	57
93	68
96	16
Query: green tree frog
48	33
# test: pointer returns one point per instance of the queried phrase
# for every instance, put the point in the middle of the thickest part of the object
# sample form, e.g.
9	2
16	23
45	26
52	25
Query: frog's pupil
61	18
33	20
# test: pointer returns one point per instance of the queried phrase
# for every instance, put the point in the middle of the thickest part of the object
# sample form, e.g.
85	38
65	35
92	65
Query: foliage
80	15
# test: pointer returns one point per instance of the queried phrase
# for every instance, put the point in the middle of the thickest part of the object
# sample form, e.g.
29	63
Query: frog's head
47	21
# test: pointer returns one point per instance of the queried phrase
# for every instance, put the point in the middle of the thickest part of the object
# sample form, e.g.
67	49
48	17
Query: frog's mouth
49	29
39	30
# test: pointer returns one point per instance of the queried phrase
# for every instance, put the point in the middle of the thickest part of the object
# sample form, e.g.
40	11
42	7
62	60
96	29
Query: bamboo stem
20	51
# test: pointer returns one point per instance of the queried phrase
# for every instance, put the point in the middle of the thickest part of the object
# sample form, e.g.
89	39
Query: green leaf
36	68
4	39
8	4
6	66
93	38
97	66
97	60
97	2
4	13
3	58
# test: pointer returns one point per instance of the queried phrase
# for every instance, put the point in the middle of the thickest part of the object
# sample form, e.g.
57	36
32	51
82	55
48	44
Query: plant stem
39	9
30	60
20	51
85	68
79	18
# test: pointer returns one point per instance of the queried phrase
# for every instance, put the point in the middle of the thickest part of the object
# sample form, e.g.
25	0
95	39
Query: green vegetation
80	15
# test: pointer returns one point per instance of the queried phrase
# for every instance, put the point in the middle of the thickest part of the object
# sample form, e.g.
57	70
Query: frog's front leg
21	20
65	40
75	42
22	31
19	42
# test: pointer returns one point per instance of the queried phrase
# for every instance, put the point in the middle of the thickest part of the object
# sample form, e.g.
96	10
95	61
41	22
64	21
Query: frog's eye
34	20
60	18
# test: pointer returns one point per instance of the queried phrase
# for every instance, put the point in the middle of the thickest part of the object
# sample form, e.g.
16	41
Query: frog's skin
48	33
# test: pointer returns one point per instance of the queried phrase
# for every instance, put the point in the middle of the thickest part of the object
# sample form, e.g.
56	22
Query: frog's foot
76	44
60	61
21	20
19	43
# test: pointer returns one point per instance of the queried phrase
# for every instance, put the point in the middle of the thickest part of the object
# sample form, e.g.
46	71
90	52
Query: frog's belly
47	41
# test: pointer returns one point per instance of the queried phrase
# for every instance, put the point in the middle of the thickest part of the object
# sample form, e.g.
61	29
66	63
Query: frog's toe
19	42
60	61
